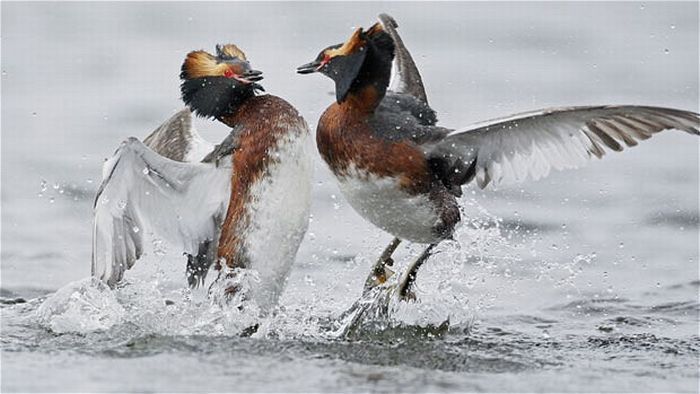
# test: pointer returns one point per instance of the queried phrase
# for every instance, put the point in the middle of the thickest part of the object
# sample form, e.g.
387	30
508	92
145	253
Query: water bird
228	205
403	173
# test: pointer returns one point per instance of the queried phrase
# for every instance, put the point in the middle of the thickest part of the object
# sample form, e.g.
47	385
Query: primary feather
532	144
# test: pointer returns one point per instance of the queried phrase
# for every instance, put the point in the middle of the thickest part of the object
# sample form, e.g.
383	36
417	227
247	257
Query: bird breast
386	204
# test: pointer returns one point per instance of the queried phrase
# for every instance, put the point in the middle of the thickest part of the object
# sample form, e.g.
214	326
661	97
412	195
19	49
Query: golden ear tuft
200	64
375	29
350	46
229	51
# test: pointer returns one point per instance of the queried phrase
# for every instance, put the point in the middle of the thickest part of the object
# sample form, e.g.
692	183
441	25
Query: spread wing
178	140
405	77
144	194
406	95
531	144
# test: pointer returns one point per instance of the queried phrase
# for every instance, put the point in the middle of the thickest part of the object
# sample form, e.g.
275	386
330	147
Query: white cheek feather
279	215
381	201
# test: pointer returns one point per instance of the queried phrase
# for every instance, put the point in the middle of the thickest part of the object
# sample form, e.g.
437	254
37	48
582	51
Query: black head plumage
214	86
214	97
365	58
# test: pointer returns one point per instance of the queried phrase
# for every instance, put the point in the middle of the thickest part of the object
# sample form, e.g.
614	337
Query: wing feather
144	193
534	143
405	77
178	140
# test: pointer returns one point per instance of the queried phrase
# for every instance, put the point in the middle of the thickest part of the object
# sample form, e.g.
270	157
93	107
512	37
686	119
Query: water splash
88	306
80	307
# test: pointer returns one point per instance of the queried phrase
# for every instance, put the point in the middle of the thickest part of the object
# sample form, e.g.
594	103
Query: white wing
531	144
178	140
144	194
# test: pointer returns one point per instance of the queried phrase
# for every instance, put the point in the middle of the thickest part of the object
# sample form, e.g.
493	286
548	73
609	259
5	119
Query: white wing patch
405	77
144	193
530	145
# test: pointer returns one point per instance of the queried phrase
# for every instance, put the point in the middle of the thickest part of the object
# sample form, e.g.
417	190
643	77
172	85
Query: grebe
242	205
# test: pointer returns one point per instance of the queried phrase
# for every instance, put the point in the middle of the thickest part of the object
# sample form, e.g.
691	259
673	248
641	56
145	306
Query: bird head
343	62
213	86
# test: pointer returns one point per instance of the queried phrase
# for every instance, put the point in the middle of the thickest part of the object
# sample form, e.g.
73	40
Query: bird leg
380	273
405	287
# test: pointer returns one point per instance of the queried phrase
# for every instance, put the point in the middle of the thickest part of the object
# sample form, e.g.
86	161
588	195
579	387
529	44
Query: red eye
325	61
228	73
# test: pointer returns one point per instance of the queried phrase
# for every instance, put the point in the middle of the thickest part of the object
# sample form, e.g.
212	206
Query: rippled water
584	281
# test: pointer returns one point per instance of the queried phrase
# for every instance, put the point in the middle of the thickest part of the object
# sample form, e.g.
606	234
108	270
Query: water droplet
673	27
621	245
56	186
34	114
642	7
4	73
658	284
44	185
51	200
666	51
136	229
89	180
121	204
145	171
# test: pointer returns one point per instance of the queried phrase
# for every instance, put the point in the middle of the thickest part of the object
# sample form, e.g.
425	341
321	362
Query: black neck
215	97
375	73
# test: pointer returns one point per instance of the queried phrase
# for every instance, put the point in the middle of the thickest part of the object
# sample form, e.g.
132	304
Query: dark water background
584	281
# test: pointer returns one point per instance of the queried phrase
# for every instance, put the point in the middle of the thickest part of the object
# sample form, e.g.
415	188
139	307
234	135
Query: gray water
584	281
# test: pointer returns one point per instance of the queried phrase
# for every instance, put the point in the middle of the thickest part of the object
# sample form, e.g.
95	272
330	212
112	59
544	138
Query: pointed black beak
309	68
